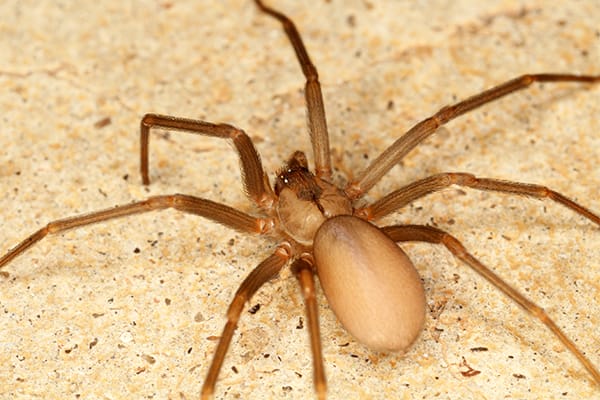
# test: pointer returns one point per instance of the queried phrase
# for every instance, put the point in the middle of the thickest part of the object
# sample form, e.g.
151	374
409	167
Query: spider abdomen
370	283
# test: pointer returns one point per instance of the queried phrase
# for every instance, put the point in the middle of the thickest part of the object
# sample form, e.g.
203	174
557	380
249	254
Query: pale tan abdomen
370	283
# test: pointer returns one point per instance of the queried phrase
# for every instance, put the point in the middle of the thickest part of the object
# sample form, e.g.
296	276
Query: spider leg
265	271
401	197
303	270
256	183
422	233
415	135
317	122
217	212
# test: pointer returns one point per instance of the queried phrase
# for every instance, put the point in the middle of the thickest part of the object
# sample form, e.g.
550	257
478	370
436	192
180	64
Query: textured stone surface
131	307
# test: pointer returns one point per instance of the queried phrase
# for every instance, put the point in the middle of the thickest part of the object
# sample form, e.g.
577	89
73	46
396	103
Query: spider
332	213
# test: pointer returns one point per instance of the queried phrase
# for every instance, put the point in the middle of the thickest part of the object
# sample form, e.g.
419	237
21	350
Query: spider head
296	176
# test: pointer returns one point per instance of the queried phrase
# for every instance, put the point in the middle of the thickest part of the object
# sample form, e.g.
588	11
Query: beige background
85	316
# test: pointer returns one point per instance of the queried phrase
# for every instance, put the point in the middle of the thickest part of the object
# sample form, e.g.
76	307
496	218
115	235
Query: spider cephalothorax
305	200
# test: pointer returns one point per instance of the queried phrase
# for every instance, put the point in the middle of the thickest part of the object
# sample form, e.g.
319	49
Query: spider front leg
415	135
256	182
317	121
422	233
217	212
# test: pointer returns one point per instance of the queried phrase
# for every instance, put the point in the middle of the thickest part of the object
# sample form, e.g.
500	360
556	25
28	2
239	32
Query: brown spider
299	196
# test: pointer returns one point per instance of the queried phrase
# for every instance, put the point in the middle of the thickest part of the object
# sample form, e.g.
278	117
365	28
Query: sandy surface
130	308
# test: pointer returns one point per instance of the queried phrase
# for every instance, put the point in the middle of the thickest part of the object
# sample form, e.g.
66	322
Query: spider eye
280	183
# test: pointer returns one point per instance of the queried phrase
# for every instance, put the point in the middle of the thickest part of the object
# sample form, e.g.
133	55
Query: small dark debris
231	241
101	123
390	104
287	388
470	372
93	343
125	177
300	323
234	369
148	358
254	309
267	355
69	350
351	20
353	356
166	135
189	351
167	301
519	376
477	349
345	344
137	250
298	374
